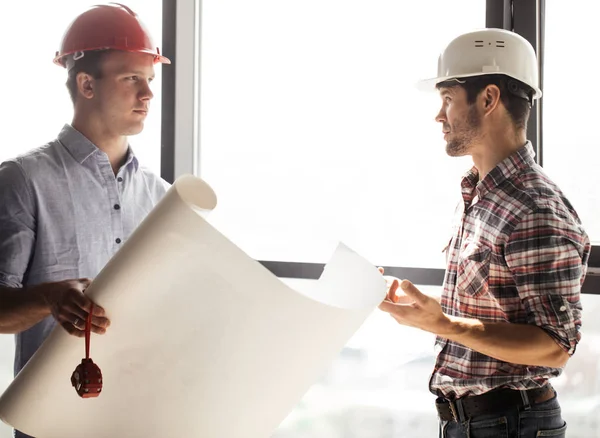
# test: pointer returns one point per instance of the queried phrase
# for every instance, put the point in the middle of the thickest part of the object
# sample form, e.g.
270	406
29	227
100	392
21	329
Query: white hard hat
485	52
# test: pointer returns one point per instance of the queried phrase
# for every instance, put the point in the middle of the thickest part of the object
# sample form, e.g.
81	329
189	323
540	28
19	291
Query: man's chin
455	150
134	129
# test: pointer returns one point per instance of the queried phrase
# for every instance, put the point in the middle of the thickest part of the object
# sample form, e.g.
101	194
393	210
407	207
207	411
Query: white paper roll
204	341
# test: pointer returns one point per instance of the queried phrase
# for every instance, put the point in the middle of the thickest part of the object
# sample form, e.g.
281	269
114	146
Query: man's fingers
98	311
72	330
415	294
75	324
387	306
79	320
100	322
398	301
85	303
404	299
98	330
392	291
78	323
380	269
74	314
393	296
393	309
71	313
76	296
85	282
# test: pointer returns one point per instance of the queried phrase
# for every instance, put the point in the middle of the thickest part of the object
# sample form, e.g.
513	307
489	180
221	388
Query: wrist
453	327
39	297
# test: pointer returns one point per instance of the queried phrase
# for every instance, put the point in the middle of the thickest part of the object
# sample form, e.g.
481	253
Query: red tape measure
87	377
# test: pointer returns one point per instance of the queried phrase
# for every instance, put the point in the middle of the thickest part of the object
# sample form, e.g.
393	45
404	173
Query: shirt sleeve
17	224
547	256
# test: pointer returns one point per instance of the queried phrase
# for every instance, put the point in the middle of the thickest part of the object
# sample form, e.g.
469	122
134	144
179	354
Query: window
312	130
377	387
579	386
37	102
571	152
571	145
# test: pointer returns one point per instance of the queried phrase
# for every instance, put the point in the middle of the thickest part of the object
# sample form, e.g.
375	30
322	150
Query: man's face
123	93
460	121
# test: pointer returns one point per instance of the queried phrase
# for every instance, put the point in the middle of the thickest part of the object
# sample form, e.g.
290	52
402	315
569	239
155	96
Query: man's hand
413	308
516	343
392	289
70	306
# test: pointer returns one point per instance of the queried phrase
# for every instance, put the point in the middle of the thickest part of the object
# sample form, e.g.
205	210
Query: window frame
181	39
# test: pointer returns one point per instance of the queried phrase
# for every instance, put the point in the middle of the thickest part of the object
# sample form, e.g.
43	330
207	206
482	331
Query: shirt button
118	240
120	179
117	206
563	308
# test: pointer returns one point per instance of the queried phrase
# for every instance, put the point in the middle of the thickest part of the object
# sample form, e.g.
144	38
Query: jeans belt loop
526	401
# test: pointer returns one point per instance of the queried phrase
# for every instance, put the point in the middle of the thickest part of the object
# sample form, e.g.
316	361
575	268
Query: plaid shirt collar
521	159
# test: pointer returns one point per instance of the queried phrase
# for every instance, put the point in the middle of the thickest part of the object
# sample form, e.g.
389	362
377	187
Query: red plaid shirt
519	255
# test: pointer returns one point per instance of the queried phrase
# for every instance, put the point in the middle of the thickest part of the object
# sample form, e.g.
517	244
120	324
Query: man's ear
85	85
491	98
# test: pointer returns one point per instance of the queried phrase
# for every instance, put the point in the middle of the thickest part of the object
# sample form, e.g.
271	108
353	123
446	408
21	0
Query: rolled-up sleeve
547	256
17	224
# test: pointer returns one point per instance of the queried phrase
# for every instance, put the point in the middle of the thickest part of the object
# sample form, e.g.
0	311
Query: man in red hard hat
67	207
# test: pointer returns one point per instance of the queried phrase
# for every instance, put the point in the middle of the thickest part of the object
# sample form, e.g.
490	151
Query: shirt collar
131	158
521	159
81	149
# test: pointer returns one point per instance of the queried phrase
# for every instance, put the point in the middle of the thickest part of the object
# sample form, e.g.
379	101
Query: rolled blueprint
204	342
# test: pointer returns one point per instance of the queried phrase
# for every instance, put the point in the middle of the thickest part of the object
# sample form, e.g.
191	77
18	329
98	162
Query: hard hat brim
429	85
158	59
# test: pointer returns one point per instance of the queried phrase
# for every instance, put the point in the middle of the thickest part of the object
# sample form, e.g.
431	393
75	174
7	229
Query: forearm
21	308
515	343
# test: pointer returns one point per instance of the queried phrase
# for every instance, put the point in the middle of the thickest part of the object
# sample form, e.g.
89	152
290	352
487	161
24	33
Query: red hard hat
112	26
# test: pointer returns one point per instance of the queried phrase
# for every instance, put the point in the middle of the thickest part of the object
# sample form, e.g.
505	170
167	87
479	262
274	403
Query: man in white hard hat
510	314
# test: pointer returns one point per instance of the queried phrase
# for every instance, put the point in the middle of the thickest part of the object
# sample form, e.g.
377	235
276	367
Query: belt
490	402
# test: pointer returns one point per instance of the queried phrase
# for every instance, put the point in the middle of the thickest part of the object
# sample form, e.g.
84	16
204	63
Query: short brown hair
90	63
516	96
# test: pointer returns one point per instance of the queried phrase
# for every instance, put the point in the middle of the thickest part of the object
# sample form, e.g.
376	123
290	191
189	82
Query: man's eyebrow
137	73
447	91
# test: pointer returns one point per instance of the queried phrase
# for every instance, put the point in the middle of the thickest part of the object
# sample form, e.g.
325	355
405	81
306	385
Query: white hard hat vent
497	43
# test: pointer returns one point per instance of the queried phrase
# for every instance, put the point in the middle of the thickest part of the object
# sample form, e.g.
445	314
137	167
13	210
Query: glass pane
579	385
571	145
36	102
377	387
312	130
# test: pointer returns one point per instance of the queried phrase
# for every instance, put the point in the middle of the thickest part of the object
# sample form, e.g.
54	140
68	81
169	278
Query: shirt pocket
474	269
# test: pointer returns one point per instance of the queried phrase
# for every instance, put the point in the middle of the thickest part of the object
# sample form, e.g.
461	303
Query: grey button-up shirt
64	214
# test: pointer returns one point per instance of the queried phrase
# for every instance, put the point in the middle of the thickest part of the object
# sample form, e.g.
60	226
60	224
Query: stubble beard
465	135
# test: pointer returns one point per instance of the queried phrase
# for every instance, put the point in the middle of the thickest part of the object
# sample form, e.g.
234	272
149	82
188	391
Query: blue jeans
540	420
